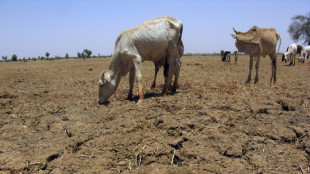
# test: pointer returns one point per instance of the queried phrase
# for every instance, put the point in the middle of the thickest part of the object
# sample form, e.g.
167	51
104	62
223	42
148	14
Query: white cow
305	53
291	53
157	40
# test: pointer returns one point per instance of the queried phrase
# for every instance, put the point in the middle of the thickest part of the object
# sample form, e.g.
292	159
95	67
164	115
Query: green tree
67	56
87	52
79	55
5	58
299	29
14	57
47	54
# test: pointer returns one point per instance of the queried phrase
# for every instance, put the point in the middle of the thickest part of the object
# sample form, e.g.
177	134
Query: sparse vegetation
5	58
299	29
47	54
87	52
14	57
79	55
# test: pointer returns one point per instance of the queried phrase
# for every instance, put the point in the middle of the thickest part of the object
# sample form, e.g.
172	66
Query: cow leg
294	59
131	82
171	60
176	76
169	78
154	81
250	70
138	74
273	59
274	63
256	68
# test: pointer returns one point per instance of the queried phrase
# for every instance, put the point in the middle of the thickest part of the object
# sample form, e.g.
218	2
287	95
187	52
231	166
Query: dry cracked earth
50	121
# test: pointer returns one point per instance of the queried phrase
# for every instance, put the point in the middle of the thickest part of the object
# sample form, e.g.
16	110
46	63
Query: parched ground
50	121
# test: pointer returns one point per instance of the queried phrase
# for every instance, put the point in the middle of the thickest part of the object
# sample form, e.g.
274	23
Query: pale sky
30	28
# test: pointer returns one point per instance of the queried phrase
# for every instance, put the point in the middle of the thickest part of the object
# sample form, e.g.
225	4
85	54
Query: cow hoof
139	102
256	81
129	97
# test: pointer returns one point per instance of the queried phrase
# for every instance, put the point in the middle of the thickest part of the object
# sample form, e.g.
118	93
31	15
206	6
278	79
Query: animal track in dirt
75	146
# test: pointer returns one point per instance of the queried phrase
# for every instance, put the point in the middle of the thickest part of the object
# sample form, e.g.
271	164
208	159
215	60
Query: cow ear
101	78
234	36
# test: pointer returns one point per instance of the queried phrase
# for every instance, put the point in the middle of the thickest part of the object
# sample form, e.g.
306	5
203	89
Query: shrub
14	57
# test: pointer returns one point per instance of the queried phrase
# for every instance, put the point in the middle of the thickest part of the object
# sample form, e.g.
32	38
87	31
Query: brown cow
236	54
256	42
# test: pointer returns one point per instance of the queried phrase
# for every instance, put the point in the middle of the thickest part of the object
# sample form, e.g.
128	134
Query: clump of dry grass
229	87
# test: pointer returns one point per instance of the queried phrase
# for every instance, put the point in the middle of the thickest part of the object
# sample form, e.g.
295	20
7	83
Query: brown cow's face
251	36
247	42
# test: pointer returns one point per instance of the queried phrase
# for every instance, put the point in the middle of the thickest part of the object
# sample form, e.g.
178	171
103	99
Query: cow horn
237	32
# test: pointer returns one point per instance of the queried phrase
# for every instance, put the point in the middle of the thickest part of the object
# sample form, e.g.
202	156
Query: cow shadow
150	95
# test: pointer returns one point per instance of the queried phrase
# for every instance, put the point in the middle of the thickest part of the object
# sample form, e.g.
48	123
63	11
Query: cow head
248	41
106	89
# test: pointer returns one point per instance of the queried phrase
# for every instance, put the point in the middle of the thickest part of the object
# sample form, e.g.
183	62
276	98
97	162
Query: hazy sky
30	28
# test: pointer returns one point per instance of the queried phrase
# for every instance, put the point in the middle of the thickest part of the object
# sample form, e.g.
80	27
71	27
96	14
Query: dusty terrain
50	121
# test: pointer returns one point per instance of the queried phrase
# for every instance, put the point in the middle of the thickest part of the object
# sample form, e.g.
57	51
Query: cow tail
279	37
181	31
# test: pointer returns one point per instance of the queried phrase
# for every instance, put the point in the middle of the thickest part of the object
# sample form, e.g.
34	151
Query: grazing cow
161	63
291	53
226	56
256	42
156	40
305	54
236	56
283	56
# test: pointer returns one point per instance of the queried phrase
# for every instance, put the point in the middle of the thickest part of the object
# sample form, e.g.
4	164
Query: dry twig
172	158
302	171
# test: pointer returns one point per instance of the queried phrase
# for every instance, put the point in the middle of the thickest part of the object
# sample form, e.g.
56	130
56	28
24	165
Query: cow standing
236	55
156	40
258	42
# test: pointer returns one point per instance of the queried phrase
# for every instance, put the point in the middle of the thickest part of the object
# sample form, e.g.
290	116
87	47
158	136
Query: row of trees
85	54
14	58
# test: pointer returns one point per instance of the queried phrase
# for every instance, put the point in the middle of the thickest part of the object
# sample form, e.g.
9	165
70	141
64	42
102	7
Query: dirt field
50	121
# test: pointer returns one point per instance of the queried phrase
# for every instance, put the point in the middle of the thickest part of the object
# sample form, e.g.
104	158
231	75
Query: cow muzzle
105	102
